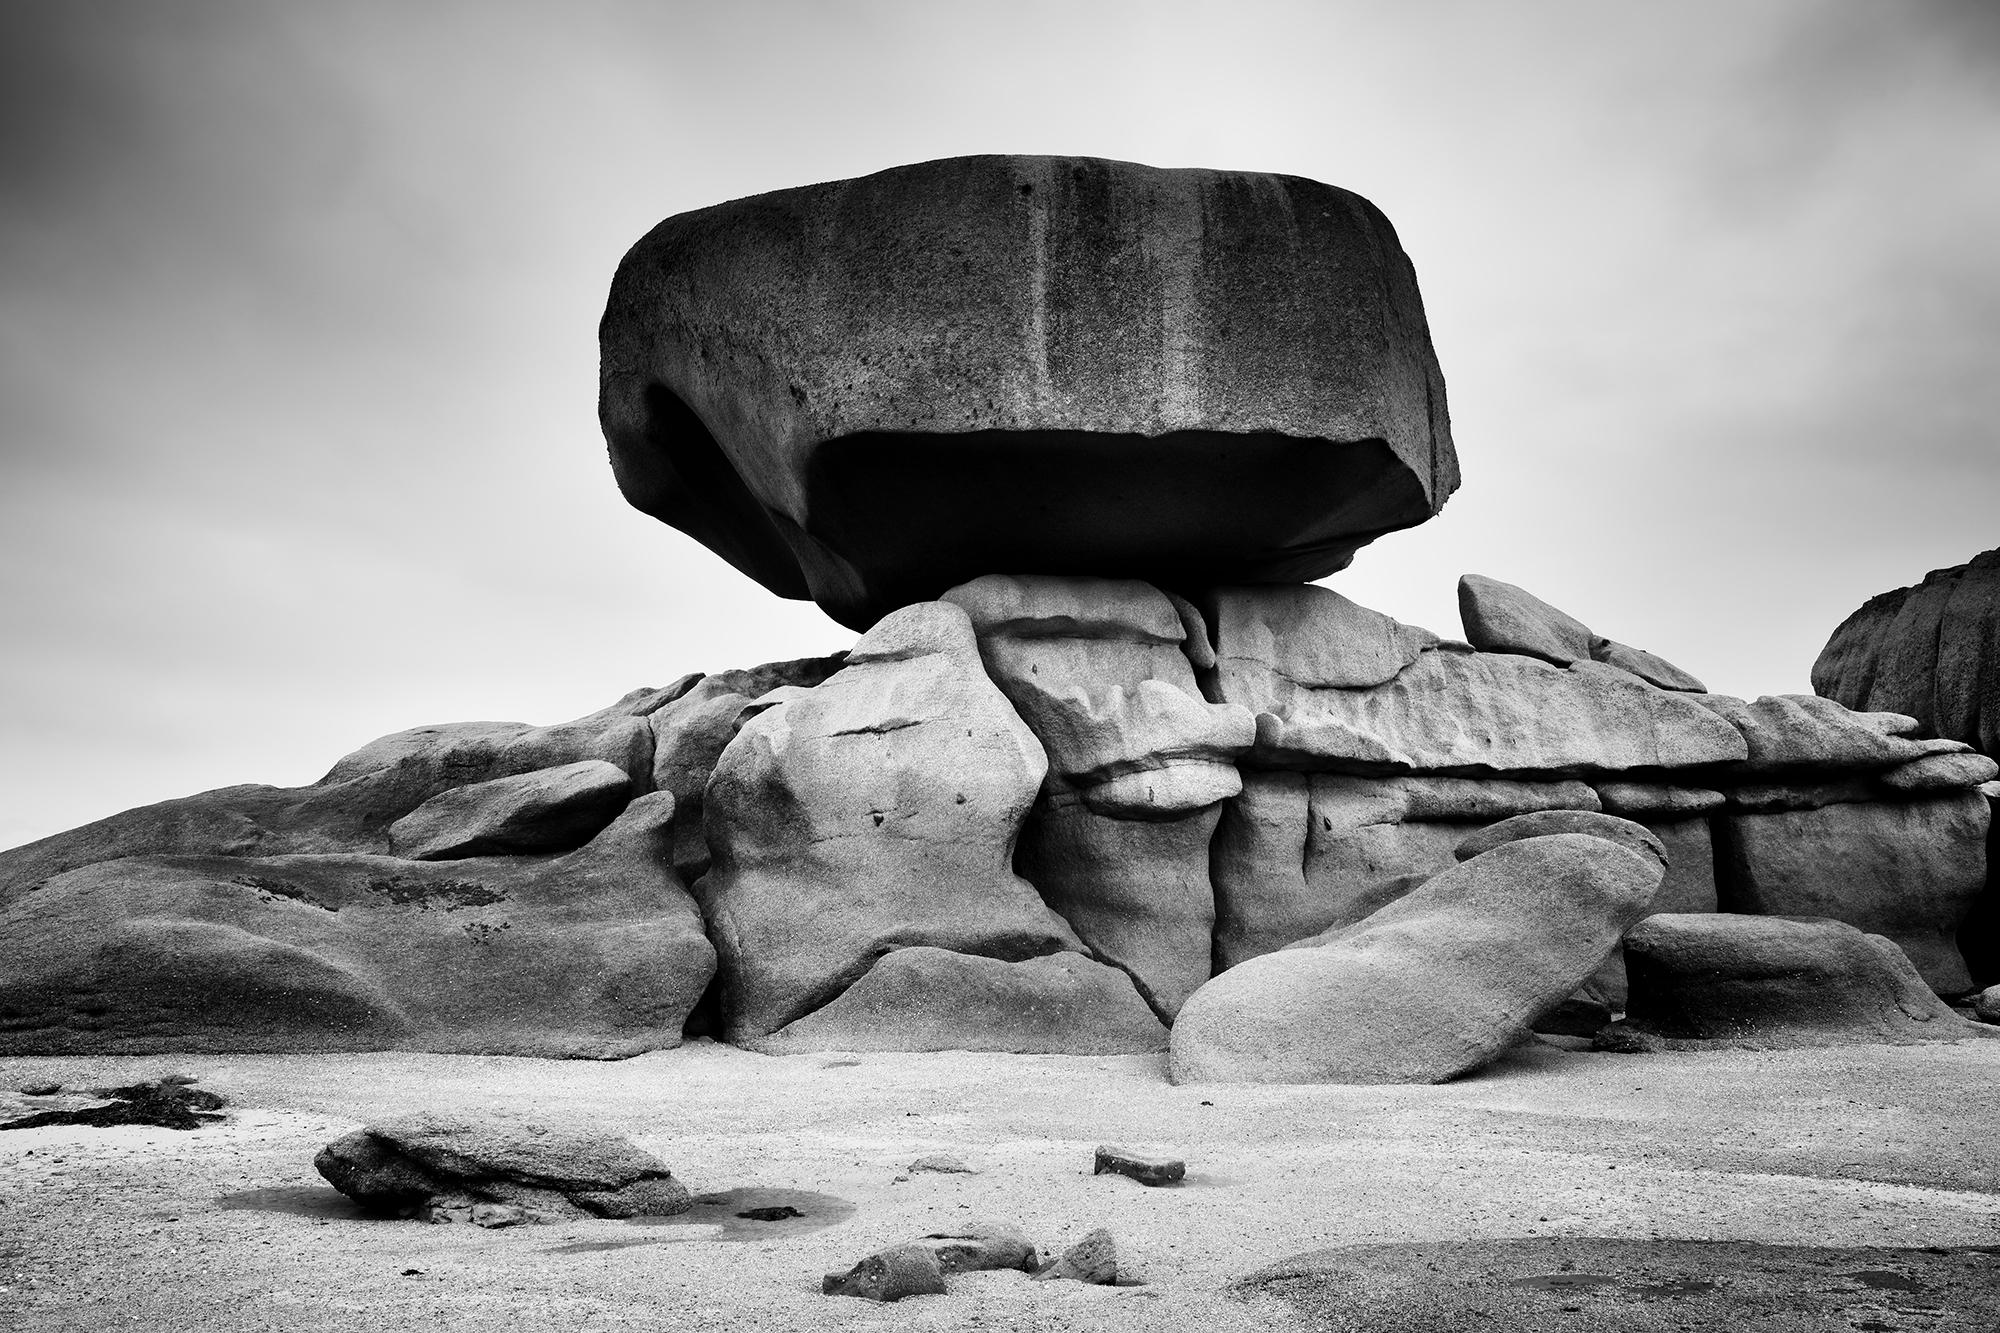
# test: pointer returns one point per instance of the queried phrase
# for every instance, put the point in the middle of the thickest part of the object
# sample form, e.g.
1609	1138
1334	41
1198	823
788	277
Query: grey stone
595	953
1718	979
1634	838
552	809
1096	669
1931	651
1801	734
1148	1166
1501	618
1909	870
1093	1259
1137	892
1636	800
894	1274
926	999
947	1164
1312	636
1430	987
1456	711
867	391
422	1164
1939	772
877	811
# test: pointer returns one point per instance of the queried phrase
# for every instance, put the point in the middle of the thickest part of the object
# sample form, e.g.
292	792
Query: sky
298	308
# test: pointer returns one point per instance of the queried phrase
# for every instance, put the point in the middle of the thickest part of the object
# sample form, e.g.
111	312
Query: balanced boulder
867	391
551	809
1501	618
1430	987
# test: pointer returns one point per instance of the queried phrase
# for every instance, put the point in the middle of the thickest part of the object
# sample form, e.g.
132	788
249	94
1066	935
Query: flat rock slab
434	1167
866	391
1593	1285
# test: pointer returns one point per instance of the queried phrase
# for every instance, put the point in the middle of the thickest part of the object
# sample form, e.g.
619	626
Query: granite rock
867	391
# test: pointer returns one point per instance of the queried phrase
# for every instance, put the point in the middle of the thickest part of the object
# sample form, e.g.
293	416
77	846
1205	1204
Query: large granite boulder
1910	870
867	391
1501	618
1139	761
1931	651
1430	987
1721	979
596	953
875	811
548	810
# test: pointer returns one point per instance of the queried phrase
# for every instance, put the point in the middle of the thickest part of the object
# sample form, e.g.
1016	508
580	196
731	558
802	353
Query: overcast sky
298	315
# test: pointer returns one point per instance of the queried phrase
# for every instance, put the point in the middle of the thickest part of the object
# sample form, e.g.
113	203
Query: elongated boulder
1430	987
1720	979
925	999
875	811
432	1167
548	810
1910	870
1501	618
597	953
1931	651
1299	854
1804	736
1118	842
867	391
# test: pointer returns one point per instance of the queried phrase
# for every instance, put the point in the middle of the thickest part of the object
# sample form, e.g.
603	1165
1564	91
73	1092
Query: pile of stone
1162	780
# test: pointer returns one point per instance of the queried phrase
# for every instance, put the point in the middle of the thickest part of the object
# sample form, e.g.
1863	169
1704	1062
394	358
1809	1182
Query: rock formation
867	391
1064	437
1931	651
1767	982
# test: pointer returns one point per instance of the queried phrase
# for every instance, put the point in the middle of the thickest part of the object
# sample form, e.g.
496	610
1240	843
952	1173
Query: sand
228	1227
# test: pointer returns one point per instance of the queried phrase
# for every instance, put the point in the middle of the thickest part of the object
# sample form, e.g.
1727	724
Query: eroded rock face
1139	761
1433	985
548	810
867	391
1721	979
873	812
1931	651
1912	871
926	999
598	953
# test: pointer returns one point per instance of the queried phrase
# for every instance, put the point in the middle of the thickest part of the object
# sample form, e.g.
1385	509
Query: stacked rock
1065	438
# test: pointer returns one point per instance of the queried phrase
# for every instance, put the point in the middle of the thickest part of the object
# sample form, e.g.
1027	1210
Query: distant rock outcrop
1931	651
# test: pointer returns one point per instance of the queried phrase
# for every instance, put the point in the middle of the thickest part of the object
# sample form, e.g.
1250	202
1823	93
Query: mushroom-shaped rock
867	391
1430	987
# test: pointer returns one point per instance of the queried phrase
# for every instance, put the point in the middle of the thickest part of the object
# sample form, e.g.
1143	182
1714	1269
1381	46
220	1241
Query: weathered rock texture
547	810
1720	979
433	1168
1911	870
1430	987
867	391
1501	618
597	953
876	811
1139	763
1931	651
